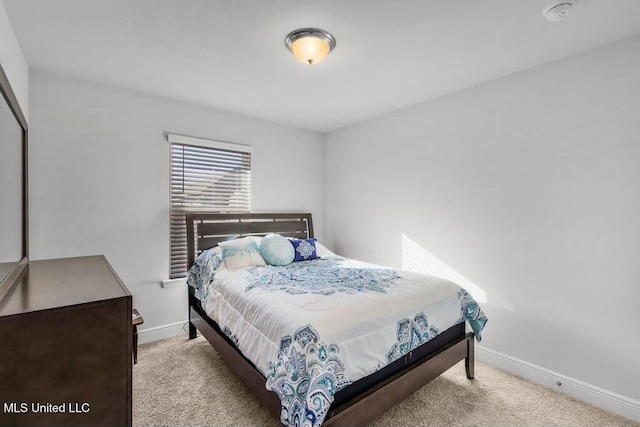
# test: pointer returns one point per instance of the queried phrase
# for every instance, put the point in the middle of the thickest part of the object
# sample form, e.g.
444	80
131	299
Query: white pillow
276	250
243	252
322	251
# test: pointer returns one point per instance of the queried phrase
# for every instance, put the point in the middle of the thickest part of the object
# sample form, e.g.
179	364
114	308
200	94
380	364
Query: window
205	176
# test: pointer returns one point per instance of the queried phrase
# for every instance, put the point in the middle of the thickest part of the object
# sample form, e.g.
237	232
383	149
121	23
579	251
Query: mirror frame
13	277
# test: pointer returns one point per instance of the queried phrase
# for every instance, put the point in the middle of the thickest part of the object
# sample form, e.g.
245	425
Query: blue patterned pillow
305	249
276	250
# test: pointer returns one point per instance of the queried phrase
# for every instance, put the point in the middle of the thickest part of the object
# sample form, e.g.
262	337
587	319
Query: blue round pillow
277	250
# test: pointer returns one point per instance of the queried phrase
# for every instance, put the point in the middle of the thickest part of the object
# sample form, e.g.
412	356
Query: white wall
99	178
13	62
527	186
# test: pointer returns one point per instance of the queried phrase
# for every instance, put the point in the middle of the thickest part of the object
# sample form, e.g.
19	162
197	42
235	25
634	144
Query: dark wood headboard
206	230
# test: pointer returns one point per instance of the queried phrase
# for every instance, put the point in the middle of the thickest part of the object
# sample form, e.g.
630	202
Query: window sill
174	283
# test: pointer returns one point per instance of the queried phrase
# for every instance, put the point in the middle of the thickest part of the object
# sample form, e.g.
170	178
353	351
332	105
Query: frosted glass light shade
310	50
310	45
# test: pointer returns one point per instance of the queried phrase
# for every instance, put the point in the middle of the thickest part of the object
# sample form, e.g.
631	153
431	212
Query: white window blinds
205	176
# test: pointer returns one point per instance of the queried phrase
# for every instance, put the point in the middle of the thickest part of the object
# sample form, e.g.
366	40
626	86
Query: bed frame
357	404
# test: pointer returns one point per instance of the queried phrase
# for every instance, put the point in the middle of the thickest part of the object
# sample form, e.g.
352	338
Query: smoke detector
559	10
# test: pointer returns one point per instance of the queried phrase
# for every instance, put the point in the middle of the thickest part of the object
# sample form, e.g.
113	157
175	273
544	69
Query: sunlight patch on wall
417	259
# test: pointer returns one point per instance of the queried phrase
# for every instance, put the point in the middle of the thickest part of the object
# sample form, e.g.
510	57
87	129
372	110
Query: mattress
314	327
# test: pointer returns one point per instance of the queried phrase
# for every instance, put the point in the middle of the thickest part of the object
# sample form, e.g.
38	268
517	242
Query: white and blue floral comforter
313	327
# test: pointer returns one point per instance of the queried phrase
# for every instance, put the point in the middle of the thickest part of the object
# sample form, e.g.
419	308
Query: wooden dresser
65	346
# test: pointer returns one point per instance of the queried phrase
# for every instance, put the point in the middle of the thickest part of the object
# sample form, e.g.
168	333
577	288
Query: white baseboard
161	332
589	393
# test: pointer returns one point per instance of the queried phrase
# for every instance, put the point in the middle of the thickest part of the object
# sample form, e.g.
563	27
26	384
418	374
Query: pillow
305	249
323	251
241	241
276	250
243	252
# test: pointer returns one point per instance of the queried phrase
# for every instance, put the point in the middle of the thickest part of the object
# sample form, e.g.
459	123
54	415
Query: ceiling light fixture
310	45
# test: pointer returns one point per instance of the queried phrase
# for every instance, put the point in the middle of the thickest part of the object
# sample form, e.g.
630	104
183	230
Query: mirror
13	185
10	191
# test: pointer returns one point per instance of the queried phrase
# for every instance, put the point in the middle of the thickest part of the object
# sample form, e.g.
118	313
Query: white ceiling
230	54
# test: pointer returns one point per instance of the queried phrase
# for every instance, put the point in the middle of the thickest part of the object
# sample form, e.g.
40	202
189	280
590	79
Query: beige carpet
181	382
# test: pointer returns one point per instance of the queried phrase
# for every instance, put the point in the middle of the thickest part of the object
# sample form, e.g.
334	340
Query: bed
272	355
